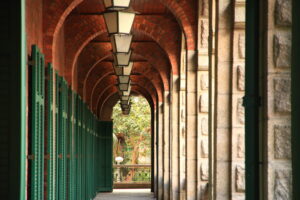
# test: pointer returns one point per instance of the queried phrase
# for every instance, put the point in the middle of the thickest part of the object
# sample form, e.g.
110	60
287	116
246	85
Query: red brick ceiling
156	46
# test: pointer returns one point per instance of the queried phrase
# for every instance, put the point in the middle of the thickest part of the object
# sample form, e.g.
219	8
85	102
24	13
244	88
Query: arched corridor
220	77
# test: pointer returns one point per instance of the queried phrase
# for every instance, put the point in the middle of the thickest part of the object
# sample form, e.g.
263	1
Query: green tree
136	129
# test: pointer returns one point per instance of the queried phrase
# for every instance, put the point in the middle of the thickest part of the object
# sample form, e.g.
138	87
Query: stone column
238	111
160	151
155	148
222	101
174	131
166	145
277	101
182	123
203	100
191	123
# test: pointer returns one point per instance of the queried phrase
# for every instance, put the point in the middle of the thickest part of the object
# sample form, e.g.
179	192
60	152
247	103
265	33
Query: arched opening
132	145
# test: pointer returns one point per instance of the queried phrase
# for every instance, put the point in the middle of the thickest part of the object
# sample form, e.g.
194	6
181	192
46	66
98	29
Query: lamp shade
123	70
116	4
125	98
122	59
121	43
123	79
119	22
124	86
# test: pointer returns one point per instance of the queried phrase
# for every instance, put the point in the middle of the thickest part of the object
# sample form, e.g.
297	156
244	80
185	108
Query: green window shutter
50	143
37	72
106	172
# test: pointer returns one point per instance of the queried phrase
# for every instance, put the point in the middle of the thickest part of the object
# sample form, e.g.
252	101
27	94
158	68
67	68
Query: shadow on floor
124	194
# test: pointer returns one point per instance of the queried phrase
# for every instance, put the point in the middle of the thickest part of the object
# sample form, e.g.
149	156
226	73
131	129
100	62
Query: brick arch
77	40
150	73
185	13
55	14
158	66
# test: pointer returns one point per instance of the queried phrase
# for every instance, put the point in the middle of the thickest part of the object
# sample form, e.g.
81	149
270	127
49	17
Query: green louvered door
106	172
37	71
50	138
61	138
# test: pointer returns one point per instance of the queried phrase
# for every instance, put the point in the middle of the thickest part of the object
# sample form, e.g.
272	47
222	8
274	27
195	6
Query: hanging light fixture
116	4
122	59
123	70
126	112
119	21
121	43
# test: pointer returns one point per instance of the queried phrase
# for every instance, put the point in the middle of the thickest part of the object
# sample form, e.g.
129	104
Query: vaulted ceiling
87	64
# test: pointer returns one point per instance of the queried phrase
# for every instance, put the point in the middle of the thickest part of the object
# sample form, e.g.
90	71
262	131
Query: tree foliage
136	127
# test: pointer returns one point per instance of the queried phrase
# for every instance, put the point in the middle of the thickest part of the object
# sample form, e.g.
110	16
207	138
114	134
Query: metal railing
132	176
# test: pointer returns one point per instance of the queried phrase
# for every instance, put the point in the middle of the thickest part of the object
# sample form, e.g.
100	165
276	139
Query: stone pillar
191	123
182	123
222	101
276	99
238	111
155	148
166	145
160	151
203	100
174	131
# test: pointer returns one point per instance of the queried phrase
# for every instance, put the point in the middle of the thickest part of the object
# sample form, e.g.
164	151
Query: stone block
282	185
283	12
204	103
241	146
242	45
240	111
241	78
282	141
282	51
240	178
282	95
204	126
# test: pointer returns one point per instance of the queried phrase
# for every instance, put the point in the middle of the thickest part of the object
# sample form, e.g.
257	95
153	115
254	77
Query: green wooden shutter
50	138
62	132
106	172
37	124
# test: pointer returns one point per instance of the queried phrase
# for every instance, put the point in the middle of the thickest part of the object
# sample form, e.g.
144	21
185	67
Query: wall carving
204	103
283	12
204	126
204	33
282	51
241	146
204	172
282	95
282	187
282	140
204	148
241	78
240	178
240	111
204	82
242	44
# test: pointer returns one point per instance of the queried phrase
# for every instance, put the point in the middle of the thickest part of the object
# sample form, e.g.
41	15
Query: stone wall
277	100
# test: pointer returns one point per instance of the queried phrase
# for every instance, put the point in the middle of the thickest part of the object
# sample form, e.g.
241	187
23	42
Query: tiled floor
124	194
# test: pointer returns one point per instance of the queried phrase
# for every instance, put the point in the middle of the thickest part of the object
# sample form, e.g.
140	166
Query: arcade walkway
126	194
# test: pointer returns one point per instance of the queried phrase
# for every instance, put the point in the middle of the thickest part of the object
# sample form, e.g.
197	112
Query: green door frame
251	101
296	99
13	100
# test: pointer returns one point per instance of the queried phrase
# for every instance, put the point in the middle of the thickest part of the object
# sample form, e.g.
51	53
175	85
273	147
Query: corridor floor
127	194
